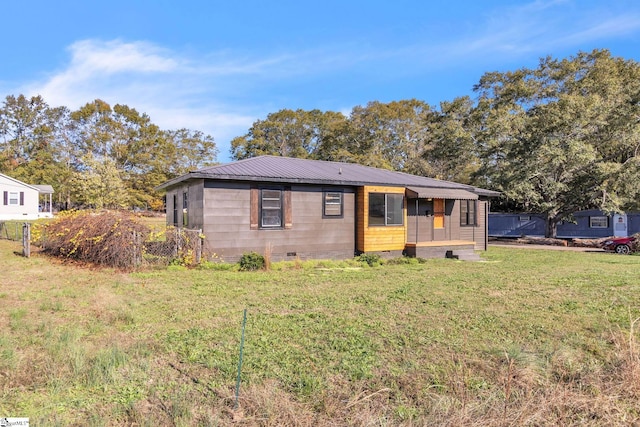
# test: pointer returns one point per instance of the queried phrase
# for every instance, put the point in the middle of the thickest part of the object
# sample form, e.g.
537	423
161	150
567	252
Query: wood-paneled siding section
476	234
379	238
228	229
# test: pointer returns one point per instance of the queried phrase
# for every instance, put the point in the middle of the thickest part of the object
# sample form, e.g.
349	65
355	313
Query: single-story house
310	209
586	224
24	201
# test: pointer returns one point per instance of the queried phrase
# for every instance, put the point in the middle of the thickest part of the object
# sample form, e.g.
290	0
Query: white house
22	201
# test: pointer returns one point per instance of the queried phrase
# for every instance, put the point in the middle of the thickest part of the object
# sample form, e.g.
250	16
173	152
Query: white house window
332	204
598	222
270	208
14	198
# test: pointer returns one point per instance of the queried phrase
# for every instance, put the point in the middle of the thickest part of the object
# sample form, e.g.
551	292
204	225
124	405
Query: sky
217	67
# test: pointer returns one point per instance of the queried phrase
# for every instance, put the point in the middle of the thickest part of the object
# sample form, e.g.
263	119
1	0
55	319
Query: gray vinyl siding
477	233
194	192
420	228
226	218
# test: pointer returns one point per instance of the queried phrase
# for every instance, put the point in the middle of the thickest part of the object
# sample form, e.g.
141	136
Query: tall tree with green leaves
450	148
388	135
100	185
142	153
26	137
287	133
563	136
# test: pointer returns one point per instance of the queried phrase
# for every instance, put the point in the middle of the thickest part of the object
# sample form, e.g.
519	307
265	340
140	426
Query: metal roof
304	171
441	193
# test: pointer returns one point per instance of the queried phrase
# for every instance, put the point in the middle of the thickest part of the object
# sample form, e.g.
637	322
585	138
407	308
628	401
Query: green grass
529	337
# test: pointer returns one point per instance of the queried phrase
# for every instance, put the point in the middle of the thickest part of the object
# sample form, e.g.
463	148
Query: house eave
253	178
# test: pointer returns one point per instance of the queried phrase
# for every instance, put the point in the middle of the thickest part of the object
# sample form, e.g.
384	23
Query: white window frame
597	221
264	193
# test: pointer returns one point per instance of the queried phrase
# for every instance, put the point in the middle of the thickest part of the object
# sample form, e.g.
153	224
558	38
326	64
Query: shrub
100	237
371	259
251	261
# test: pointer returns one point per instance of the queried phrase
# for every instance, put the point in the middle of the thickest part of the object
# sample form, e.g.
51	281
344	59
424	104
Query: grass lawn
529	337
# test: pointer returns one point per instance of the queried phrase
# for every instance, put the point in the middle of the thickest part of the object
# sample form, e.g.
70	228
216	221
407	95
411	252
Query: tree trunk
552	227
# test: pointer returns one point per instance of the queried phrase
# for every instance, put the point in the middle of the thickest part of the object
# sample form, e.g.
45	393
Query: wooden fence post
199	247
26	239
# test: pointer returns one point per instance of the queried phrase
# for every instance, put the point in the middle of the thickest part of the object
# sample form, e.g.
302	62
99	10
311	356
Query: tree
564	136
450	148
142	153
187	150
288	133
99	185
388	135
26	131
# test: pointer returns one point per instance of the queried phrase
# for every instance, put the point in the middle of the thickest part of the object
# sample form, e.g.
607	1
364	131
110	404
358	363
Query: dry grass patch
529	338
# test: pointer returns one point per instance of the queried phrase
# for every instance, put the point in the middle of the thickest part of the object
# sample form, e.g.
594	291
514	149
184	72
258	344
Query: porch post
417	222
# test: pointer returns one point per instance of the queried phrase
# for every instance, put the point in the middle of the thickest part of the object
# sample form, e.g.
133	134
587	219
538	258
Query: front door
620	225
439	232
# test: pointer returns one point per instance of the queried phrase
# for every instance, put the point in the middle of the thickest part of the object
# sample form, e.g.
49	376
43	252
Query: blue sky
219	66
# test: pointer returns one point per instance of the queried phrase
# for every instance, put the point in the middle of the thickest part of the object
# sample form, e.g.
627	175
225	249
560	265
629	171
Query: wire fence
170	246
176	245
11	230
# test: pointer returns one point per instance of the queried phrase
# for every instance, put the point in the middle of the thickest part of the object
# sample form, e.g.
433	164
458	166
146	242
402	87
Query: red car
620	245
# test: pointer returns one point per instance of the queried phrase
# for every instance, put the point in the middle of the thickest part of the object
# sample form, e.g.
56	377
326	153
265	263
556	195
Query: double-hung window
385	209
468	212
271	208
14	198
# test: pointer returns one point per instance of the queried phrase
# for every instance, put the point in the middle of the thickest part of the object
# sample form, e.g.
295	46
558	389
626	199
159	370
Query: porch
460	249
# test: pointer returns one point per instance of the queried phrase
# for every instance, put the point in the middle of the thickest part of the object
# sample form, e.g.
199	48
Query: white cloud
206	93
174	91
222	93
91	56
540	28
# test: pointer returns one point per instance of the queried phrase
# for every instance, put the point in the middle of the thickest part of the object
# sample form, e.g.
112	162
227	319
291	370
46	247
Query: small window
332	206
385	209
175	210
598	222
14	198
185	209
468	213
524	218
271	208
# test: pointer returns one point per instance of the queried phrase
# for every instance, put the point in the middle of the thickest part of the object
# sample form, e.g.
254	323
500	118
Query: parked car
620	245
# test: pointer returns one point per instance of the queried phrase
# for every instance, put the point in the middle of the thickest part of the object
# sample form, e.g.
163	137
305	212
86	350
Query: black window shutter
22	198
5	198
